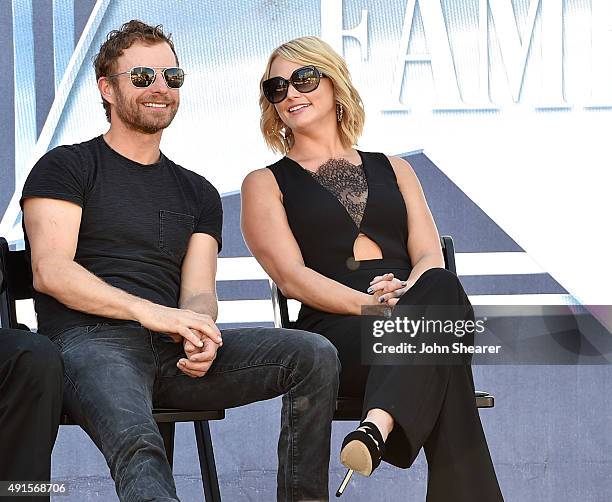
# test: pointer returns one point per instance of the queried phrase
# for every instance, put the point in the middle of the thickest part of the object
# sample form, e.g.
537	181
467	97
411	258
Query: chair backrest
279	302
15	283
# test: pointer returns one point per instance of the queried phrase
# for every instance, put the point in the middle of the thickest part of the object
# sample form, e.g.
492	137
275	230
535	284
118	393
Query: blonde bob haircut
313	51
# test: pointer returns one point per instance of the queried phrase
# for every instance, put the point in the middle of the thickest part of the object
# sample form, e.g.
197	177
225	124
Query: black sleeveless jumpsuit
433	406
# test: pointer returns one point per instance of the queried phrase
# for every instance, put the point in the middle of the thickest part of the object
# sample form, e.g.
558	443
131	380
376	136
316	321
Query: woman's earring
339	111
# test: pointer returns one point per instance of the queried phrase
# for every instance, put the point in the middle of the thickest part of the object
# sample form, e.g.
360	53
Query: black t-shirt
136	222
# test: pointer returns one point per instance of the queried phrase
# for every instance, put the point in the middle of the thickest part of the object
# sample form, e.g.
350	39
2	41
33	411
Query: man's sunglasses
305	79
144	76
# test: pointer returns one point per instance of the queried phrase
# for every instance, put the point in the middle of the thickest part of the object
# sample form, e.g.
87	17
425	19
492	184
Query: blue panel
523	284
7	110
233	242
25	97
82	10
63	36
42	16
456	214
243	290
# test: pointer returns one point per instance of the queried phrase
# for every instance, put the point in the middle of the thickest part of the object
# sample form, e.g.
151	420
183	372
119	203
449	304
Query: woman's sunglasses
305	79
144	76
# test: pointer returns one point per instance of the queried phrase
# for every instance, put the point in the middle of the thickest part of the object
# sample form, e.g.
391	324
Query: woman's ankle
382	419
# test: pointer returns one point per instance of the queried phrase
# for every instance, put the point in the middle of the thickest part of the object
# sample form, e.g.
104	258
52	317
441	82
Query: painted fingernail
381	299
370	290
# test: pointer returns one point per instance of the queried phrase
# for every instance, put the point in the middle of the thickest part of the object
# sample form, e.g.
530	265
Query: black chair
350	408
16	284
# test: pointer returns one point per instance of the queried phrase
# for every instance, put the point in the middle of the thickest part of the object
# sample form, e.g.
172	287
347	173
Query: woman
339	229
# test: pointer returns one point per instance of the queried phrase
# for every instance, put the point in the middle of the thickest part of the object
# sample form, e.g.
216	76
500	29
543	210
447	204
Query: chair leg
166	429
207	461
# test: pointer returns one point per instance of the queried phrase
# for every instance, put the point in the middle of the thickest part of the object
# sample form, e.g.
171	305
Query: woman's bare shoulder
260	178
400	163
403	170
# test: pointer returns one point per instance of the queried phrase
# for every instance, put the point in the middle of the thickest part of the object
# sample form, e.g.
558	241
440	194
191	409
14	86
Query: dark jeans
116	373
30	406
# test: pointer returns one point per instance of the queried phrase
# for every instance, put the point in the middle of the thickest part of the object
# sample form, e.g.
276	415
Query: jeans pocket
57	339
175	229
60	338
91	328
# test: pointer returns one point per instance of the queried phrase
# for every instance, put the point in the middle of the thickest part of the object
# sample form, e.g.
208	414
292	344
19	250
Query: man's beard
136	117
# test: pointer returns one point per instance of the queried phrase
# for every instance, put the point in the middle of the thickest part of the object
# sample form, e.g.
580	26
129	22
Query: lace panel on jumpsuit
348	183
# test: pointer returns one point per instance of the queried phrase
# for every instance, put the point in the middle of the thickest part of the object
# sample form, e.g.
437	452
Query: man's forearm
203	303
77	288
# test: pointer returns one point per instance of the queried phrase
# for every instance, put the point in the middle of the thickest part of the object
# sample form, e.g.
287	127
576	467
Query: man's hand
177	323
199	359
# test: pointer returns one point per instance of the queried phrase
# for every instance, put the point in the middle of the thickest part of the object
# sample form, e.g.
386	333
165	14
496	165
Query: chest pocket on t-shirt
175	229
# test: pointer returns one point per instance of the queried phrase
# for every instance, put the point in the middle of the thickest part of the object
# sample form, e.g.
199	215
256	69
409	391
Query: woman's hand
388	289
370	306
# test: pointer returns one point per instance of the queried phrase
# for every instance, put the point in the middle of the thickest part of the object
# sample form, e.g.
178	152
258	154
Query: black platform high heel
362	450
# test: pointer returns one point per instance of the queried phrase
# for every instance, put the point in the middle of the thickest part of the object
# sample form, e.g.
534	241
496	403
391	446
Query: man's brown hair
123	38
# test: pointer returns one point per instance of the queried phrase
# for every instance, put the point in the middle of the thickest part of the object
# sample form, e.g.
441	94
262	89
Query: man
123	248
31	375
